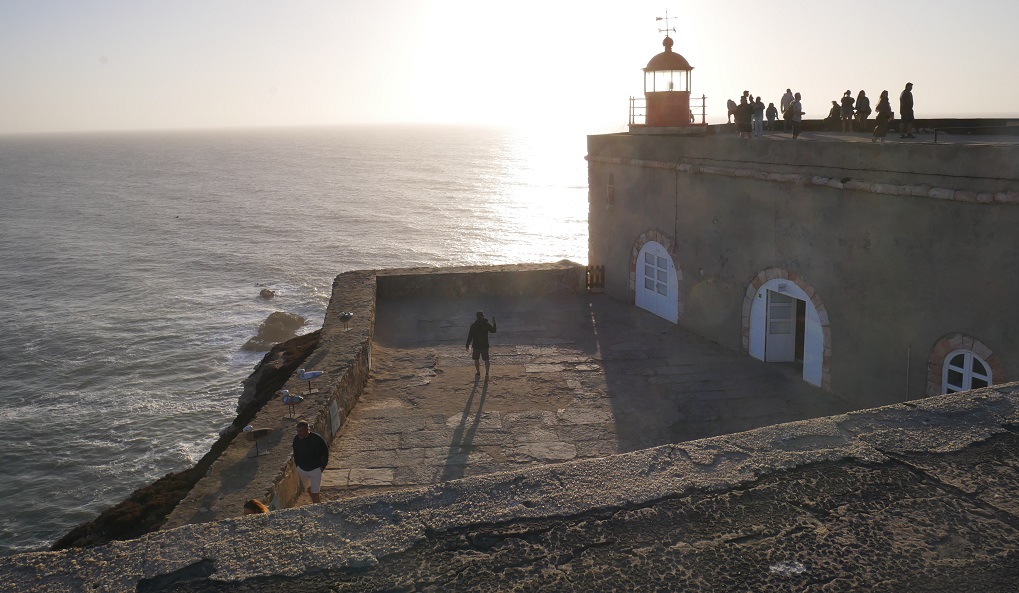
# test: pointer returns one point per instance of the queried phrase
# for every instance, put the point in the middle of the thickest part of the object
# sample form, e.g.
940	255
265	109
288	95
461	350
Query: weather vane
666	19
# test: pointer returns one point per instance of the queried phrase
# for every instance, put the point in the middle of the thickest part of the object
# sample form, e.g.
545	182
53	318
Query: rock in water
278	327
266	294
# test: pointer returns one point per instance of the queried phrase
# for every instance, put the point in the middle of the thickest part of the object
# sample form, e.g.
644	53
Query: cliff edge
147	508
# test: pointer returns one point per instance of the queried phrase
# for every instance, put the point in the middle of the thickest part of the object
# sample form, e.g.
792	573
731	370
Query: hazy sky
113	65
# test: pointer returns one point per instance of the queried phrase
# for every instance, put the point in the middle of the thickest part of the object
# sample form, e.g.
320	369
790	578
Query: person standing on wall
311	455
787	100
847	111
796	115
772	113
862	110
744	114
906	112
884	115
478	336
758	117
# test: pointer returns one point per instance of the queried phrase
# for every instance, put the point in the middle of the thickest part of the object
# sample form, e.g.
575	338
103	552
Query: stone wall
345	355
507	280
265	470
971	167
900	244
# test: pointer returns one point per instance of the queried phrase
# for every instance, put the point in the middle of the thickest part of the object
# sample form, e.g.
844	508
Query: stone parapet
989	172
506	280
265	470
960	194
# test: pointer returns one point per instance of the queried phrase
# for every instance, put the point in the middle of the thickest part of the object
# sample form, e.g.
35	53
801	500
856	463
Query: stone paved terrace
573	377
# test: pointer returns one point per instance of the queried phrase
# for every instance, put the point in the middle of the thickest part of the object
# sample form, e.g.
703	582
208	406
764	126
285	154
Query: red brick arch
822	313
949	343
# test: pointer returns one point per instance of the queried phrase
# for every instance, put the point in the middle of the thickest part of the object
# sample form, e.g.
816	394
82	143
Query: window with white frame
964	370
656	273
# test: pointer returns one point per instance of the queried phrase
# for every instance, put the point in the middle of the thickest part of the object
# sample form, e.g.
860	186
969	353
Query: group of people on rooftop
848	109
749	113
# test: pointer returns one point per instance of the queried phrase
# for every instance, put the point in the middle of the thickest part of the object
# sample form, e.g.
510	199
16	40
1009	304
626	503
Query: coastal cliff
147	508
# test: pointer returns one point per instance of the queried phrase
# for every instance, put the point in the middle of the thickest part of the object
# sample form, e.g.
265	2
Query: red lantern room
667	88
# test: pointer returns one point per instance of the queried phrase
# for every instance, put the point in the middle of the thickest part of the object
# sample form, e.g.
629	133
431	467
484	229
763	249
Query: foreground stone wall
915	496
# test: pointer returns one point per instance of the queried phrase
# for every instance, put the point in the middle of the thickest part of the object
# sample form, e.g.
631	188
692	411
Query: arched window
964	370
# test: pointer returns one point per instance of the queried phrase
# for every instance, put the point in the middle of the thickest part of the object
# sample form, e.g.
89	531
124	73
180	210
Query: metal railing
638	111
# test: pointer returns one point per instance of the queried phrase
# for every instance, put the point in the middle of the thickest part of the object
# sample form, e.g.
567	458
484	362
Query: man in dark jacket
311	454
478	335
906	112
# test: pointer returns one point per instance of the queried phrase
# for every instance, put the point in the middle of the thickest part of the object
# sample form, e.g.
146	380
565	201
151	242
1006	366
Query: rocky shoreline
147	508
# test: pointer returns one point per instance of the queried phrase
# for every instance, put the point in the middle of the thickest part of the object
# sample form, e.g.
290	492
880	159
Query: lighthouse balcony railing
698	111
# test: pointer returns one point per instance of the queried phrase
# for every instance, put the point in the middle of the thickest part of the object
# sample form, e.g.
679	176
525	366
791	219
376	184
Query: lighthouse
666	95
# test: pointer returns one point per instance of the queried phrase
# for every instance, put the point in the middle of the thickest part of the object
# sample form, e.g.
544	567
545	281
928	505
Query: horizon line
390	124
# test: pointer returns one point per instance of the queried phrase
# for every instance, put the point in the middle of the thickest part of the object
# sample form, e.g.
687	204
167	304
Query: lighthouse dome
668	60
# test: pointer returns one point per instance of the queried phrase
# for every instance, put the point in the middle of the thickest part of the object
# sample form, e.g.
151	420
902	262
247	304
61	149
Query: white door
763	345
780	340
813	347
657	287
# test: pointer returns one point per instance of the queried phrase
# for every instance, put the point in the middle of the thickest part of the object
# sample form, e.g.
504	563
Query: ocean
132	265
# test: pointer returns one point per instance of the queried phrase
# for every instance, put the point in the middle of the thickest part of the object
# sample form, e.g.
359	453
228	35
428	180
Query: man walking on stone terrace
311	454
478	336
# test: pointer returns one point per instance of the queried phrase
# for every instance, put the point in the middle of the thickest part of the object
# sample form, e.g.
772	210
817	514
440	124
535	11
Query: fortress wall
345	357
972	167
894	272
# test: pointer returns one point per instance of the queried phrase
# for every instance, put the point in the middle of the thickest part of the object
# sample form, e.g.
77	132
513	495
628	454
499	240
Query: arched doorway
783	324
656	287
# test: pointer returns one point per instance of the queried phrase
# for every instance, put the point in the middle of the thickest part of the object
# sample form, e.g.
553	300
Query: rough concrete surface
911	497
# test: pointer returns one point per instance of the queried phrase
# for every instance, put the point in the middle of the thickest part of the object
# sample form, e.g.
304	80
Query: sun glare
485	64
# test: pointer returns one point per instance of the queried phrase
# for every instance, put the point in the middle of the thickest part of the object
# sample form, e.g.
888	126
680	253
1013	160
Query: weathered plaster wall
895	272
